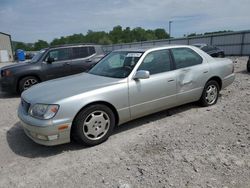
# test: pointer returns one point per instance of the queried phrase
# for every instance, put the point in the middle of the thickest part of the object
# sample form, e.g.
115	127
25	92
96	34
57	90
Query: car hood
53	91
16	65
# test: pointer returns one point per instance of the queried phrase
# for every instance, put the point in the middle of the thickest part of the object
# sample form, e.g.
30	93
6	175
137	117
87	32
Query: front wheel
26	82
93	125
210	93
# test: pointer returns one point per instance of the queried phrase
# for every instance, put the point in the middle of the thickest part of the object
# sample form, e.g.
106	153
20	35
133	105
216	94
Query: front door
61	66
156	93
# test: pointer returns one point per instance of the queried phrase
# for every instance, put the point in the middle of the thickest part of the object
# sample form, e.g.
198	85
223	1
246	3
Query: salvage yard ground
187	146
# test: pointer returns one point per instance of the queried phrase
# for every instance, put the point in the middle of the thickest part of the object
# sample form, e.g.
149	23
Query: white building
6	53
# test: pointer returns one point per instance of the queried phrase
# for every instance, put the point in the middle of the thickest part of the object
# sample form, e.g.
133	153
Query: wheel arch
217	79
109	105
27	75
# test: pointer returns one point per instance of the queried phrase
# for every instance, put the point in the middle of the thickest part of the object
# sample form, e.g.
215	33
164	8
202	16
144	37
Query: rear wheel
93	125
26	82
210	93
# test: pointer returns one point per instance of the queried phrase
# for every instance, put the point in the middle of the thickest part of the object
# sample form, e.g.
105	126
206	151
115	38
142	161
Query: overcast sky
30	20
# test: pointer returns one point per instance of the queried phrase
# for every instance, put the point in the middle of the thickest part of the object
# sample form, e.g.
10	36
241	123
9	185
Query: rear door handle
205	72
66	63
171	80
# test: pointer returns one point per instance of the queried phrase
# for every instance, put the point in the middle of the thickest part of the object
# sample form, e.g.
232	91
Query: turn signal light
62	127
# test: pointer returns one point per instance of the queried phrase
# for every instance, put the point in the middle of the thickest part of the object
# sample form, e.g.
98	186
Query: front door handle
66	63
205	72
171	80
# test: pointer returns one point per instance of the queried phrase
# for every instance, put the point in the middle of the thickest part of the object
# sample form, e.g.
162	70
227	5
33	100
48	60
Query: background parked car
30	55
248	64
50	63
211	50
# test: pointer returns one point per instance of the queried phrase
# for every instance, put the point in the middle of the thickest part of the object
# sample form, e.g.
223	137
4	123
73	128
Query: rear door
192	73
156	93
61	65
81	58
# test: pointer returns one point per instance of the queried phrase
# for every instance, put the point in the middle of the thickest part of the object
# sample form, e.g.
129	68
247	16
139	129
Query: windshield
38	55
116	64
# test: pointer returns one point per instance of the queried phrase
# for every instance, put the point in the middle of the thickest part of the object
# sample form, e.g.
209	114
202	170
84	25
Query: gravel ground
187	146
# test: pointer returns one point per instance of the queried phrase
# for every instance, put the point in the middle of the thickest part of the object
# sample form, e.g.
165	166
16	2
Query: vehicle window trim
175	68
170	58
61	61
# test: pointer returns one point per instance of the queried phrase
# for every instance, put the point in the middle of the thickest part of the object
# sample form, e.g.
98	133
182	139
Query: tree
161	34
115	34
22	46
40	44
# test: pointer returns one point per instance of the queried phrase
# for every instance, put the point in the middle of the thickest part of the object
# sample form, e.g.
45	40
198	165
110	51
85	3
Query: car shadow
5	95
22	145
244	72
154	117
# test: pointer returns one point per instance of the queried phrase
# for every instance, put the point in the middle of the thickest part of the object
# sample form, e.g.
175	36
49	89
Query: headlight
43	111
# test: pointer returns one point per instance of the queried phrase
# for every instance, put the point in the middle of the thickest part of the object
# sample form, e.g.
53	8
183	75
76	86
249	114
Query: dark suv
50	63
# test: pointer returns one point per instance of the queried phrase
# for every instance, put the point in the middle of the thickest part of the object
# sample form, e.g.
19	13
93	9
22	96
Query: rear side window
80	52
185	57
157	62
91	50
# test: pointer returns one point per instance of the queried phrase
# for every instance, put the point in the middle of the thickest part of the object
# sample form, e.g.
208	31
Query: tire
93	125
210	94
26	82
248	65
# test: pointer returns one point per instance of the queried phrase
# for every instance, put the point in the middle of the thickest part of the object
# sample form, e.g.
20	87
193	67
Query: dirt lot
188	146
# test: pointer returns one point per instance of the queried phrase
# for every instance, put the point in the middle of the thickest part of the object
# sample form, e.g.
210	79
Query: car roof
73	45
146	48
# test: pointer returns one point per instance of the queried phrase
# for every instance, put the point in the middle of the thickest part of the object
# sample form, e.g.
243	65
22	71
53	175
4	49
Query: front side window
116	64
60	54
156	62
185	57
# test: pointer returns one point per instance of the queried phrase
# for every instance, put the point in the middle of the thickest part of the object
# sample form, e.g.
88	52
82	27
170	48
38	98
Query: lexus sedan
124	85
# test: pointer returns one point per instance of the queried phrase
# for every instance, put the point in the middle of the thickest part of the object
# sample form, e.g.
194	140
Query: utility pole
169	27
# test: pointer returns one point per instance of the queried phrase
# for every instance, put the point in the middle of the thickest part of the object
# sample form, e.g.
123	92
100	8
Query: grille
25	106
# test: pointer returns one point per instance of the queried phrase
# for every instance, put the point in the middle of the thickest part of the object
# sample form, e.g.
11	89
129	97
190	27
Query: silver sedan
124	85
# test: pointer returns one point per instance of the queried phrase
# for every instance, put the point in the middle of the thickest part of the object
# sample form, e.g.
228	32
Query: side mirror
50	60
141	74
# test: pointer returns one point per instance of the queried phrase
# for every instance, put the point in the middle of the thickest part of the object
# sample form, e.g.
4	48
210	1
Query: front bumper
48	135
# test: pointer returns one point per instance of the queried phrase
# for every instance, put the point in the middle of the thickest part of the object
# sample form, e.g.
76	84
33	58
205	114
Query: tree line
116	35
